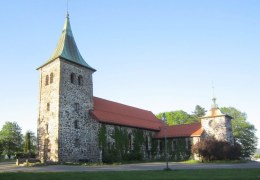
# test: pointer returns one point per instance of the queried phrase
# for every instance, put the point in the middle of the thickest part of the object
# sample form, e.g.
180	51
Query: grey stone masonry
217	125
66	132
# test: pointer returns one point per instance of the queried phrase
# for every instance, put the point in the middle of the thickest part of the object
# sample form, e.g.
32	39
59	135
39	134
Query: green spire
66	47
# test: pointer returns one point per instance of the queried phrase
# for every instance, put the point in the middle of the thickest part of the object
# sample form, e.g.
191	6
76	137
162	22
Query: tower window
77	143
146	143
76	107
51	78
76	124
47	128
47	80
80	80
130	142
72	78
48	107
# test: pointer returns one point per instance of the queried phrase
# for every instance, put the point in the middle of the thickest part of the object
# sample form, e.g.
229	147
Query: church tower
217	125
66	97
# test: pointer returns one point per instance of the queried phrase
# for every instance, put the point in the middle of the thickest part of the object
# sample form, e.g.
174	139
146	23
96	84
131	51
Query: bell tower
66	97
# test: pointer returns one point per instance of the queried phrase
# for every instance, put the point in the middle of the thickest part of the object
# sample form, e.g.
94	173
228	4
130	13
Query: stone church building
70	118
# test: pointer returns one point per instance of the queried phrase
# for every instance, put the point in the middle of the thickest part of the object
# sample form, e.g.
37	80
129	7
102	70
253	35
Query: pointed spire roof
67	48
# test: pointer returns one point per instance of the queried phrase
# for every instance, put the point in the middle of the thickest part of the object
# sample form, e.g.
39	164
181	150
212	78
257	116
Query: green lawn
142	175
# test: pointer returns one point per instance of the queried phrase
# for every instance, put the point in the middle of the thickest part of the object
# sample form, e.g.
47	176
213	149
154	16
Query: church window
48	106
174	144
76	107
77	143
80	80
161	145
146	143
76	124
51	78
130	147
47	80
72	78
47	128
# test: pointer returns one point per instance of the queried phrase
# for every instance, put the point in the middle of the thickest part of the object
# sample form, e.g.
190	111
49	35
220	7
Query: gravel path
11	167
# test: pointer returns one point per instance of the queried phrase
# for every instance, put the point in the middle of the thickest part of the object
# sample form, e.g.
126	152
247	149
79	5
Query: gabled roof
183	130
67	48
119	114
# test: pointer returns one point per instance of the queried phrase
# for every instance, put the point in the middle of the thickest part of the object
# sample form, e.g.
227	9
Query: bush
133	156
211	149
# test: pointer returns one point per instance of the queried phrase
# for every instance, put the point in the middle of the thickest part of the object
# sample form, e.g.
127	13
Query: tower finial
214	103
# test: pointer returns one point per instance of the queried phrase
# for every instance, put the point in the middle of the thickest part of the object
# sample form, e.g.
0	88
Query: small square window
77	143
48	107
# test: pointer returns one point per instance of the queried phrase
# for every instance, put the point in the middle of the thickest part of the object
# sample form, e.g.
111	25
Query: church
73	125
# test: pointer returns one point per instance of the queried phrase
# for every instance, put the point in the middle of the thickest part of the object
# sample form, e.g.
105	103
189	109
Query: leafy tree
243	131
11	138
177	117
1	149
198	112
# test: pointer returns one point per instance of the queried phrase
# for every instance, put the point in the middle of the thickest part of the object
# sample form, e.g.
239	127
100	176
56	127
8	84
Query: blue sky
155	55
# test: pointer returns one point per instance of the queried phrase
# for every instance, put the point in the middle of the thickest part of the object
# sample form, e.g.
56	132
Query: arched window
48	107
80	80
72	78
51	78
161	146
129	141
146	143
47	80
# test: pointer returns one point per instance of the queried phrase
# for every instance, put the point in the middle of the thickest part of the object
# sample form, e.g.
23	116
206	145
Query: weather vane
213	89
67	5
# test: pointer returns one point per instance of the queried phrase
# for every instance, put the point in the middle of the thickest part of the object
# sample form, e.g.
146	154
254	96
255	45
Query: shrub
211	149
25	155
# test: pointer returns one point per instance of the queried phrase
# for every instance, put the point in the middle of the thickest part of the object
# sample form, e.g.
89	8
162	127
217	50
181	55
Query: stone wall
48	117
77	130
219	127
66	132
147	135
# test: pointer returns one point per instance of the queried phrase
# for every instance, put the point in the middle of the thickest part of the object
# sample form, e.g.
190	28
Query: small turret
217	125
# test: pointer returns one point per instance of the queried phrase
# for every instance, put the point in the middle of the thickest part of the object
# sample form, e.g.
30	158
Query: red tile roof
183	130
119	114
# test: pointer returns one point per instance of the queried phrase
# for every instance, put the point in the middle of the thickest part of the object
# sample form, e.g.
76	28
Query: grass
142	175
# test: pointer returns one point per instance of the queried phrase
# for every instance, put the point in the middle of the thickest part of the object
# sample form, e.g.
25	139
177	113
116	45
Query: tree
11	138
27	142
1	149
177	117
243	131
198	112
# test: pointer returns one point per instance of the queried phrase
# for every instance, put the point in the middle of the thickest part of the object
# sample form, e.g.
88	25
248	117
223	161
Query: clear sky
156	55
